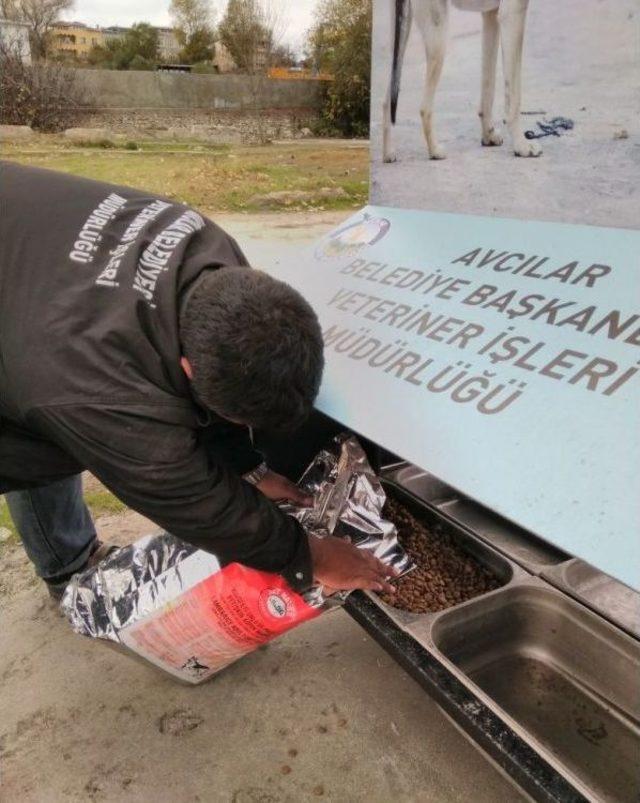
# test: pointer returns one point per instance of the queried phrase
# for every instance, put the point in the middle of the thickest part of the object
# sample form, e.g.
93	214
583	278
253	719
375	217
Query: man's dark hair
255	347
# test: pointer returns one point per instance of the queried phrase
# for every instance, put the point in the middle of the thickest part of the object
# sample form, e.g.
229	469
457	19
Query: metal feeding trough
543	672
560	674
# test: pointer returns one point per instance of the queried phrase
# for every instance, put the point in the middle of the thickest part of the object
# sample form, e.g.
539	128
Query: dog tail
400	33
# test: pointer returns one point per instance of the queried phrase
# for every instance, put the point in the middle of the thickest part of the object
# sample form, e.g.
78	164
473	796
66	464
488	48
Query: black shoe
56	588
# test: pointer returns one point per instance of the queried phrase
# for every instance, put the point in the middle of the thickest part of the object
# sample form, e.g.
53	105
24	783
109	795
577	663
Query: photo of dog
502	21
562	76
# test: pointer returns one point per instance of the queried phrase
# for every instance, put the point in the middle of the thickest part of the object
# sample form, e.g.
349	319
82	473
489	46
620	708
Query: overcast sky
298	14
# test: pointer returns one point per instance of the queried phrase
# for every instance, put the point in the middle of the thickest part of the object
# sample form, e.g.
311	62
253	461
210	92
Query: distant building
261	56
72	41
15	35
168	45
222	60
114	32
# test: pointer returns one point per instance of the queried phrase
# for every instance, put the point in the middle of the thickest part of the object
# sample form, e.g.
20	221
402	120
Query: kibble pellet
444	576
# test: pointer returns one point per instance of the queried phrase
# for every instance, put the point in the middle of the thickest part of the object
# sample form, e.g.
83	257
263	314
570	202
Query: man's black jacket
92	277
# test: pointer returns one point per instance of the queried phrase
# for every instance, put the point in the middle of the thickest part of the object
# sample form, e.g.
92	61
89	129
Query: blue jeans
55	527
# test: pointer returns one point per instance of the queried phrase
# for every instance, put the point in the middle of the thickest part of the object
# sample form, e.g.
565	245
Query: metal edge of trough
519	760
553	572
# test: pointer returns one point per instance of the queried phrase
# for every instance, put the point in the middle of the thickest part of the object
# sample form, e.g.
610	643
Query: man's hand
277	487
337	564
340	566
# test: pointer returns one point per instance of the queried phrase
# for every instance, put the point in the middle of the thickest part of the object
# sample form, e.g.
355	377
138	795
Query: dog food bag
178	608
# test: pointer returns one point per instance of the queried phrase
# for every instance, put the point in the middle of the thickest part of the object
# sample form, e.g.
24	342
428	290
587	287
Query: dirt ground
322	713
580	62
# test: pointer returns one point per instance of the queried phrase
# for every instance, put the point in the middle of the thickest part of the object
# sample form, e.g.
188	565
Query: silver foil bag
177	607
348	503
133	582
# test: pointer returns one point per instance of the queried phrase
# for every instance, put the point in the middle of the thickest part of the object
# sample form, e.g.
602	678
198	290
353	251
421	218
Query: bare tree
283	56
8	9
251	30
191	16
193	20
44	95
40	16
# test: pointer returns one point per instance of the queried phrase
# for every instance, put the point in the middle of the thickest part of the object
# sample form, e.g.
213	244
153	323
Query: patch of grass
6	520
167	147
105	144
103	503
214	177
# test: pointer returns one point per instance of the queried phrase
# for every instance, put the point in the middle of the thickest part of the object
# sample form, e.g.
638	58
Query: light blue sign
503	356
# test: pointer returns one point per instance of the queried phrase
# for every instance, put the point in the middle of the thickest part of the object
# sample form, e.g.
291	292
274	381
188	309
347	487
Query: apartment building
74	40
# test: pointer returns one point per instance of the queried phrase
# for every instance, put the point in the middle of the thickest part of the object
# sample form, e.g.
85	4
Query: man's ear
186	367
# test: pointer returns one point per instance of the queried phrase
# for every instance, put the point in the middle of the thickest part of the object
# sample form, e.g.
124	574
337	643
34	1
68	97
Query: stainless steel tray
600	592
420	483
526	549
612	599
560	675
506	571
520	546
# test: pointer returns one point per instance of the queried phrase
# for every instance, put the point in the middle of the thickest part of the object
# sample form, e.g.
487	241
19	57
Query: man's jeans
55	526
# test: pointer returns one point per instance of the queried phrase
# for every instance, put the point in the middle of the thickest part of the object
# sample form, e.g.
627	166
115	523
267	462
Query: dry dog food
445	575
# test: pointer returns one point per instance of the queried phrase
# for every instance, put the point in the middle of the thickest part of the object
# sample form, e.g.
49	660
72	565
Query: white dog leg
511	17
431	17
490	38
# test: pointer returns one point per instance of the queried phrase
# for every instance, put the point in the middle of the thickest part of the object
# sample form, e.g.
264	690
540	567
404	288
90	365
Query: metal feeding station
492	366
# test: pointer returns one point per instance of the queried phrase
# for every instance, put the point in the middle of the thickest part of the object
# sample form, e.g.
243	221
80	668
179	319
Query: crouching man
137	343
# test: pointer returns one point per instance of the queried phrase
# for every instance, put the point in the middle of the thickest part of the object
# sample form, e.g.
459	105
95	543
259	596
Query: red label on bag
217	621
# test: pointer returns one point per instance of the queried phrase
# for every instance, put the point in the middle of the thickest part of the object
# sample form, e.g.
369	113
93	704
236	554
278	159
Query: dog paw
527	148
492	138
390	157
437	153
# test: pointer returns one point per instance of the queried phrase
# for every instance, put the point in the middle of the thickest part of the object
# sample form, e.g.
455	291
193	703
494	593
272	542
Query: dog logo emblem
351	238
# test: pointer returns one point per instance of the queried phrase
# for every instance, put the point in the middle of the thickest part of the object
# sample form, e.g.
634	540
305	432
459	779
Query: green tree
136	50
141	63
198	47
247	30
193	21
191	16
340	43
110	56
141	40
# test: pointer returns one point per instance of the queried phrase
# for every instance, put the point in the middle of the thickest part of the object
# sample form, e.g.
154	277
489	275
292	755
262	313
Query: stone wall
244	127
166	90
218	108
